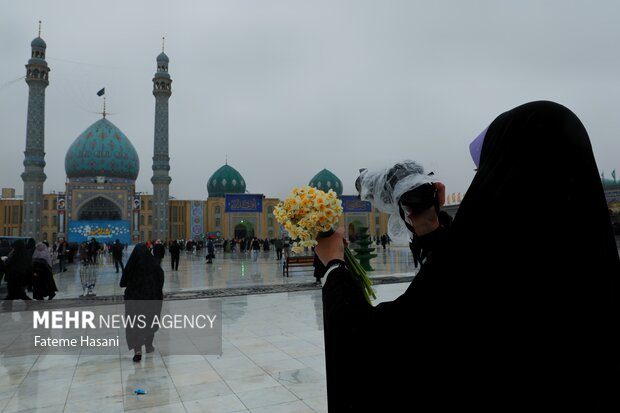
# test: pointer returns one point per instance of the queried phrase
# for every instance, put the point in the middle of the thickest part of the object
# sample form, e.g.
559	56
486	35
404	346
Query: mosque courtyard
272	357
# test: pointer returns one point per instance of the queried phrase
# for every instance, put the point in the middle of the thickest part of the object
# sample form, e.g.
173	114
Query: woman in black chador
43	284
18	273
143	278
480	327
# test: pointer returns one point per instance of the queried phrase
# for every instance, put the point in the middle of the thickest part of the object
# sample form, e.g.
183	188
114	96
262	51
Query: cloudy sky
285	88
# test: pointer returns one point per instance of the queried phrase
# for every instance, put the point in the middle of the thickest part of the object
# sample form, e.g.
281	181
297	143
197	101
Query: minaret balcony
161	180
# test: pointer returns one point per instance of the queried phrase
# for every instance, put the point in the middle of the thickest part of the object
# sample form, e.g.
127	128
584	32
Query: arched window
100	208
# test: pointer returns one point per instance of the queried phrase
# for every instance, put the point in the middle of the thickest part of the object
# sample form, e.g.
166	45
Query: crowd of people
252	246
28	268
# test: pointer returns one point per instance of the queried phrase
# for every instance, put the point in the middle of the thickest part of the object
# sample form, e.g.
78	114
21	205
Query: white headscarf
383	188
42	252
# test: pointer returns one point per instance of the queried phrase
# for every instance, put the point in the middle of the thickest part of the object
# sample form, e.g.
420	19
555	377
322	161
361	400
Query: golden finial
39	28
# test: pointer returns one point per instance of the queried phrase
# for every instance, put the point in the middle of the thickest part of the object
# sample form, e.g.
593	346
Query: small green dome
326	180
162	66
102	150
163	58
38	42
226	180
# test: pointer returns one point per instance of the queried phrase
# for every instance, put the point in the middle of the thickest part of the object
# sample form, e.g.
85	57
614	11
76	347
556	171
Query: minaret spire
162	90
37	78
104	112
163	43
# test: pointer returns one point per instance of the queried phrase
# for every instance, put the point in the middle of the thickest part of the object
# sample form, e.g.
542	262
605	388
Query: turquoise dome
162	66
102	150
163	58
226	180
38	42
326	180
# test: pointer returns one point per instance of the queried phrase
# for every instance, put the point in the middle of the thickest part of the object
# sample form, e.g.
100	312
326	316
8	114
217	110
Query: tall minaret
161	161
34	161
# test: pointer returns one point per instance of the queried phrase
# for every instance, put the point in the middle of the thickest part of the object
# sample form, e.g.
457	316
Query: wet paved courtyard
228	270
272	347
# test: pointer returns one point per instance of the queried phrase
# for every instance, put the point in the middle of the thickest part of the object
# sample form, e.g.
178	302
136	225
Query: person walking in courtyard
93	250
43	284
544	336
279	245
143	280
117	255
18	273
383	241
255	246
319	269
62	255
210	251
175	255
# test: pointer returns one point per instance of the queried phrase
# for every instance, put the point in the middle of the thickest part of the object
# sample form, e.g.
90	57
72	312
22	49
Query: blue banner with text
354	204
102	231
244	203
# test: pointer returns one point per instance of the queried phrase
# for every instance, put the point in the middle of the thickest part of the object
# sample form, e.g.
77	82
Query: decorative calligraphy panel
197	221
352	203
244	203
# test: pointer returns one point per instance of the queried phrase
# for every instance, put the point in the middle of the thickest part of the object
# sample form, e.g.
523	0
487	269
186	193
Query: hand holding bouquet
309	213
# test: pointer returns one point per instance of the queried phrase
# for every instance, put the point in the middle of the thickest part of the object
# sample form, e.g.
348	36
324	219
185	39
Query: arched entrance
244	229
100	209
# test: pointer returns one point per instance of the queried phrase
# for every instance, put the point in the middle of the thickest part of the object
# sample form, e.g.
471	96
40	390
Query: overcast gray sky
285	88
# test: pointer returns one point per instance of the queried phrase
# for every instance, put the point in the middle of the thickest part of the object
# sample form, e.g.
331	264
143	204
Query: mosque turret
37	78
161	160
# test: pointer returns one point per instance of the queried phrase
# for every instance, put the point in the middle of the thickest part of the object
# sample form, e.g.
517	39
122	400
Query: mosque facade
100	199
107	207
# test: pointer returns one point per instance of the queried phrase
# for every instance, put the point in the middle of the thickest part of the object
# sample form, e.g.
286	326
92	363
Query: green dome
102	150
163	57
162	66
326	180
38	42
226	180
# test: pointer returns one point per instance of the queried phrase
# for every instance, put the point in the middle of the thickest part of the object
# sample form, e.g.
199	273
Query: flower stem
360	274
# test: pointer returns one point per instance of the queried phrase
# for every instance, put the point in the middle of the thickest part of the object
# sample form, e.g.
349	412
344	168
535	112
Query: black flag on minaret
101	92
